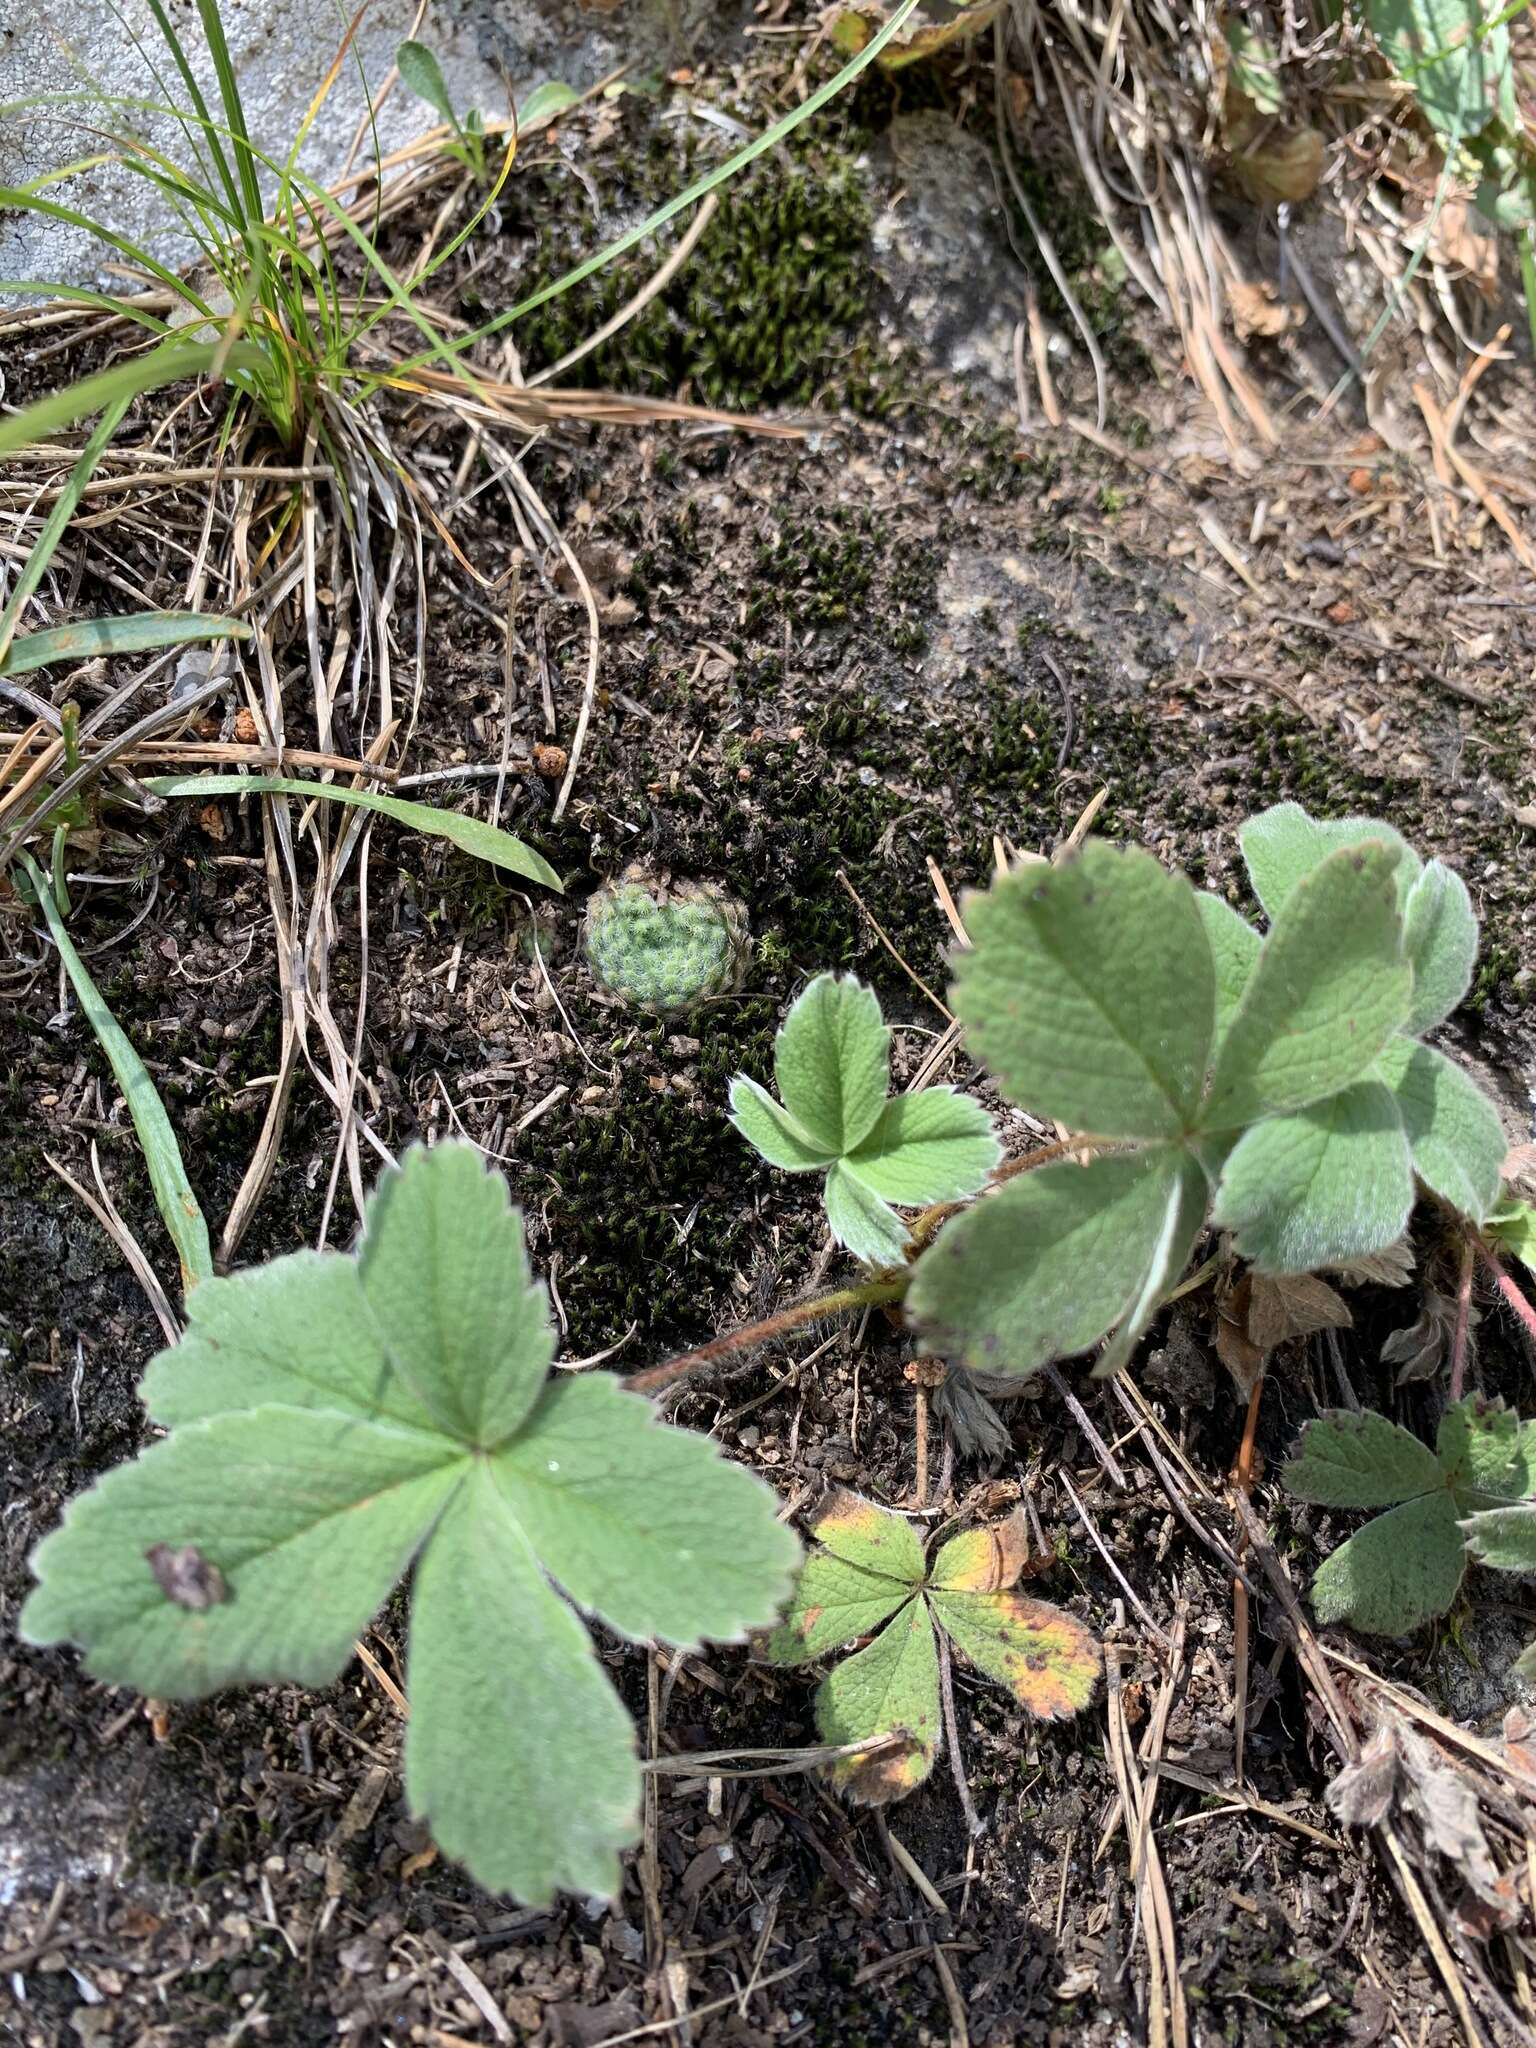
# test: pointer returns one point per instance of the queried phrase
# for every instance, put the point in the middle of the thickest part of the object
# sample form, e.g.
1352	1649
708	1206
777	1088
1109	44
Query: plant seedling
421	72
837	1116
1272	1084
869	1574
1406	1567
338	1420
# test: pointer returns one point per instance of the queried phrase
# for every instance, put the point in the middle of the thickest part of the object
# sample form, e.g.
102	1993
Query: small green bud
665	946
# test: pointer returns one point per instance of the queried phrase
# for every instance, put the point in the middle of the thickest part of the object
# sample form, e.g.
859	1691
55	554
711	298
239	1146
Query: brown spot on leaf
185	1576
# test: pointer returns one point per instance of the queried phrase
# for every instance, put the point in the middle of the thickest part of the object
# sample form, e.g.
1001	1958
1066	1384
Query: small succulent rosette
664	946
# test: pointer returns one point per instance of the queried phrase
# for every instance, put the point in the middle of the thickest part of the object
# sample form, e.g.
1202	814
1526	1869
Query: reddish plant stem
1511	1293
1459	1344
867	1294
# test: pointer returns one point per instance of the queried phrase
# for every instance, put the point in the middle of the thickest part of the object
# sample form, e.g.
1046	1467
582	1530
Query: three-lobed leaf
1090	991
1406	1567
334	1418
869	1573
837	1117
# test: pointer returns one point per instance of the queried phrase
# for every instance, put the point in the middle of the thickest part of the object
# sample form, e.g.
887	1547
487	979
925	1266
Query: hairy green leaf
934	1146
1283	845
332	1416
1440	939
890	1688
1355	1458
875	1538
1505	1537
1047	1660
423	75
1319	1187
1044	1267
471	835
1330	988
1090	992
1234	948
1453	53
832	1061
1513	1225
1454	1131
1399	1571
1487	1454
646	1526
544	103
834	1602
861	1222
446	1279
770	1129
519	1754
309	1518
295	1332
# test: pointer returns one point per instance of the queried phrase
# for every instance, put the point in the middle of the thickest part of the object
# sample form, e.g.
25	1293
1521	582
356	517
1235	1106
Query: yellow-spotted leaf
872	1537
1045	1657
834	1601
984	1560
892	1688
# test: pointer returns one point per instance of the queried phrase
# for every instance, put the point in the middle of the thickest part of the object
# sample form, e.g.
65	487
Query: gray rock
282	50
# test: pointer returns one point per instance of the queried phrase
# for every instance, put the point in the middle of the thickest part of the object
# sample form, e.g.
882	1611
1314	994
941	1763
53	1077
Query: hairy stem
1459	1345
1511	1293
867	1294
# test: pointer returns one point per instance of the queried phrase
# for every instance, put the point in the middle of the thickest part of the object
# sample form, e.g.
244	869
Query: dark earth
827	663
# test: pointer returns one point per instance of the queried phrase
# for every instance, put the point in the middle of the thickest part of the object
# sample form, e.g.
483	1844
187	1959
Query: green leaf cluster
1474	1491
337	1421
869	1577
836	1115
1271	1083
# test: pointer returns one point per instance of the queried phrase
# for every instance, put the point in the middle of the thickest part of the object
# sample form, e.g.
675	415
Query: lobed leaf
644	1525
446	1280
1440	940
1090	992
1504	1537
1454	1132
834	1601
933	1146
308	1517
1283	845
519	1754
1355	1458
297	1333
1046	1658
1235	949
861	1532
987	1559
1487	1454
1330	988
861	1222
832	1061
1045	1266
892	1687
1324	1185
770	1129
1399	1571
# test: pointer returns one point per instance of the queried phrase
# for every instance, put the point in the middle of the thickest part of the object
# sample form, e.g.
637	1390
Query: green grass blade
170	363
21	199
769	139
36	564
178	1206
132	633
470	835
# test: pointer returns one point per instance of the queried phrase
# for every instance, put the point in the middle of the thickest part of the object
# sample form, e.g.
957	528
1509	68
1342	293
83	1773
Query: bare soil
827	663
